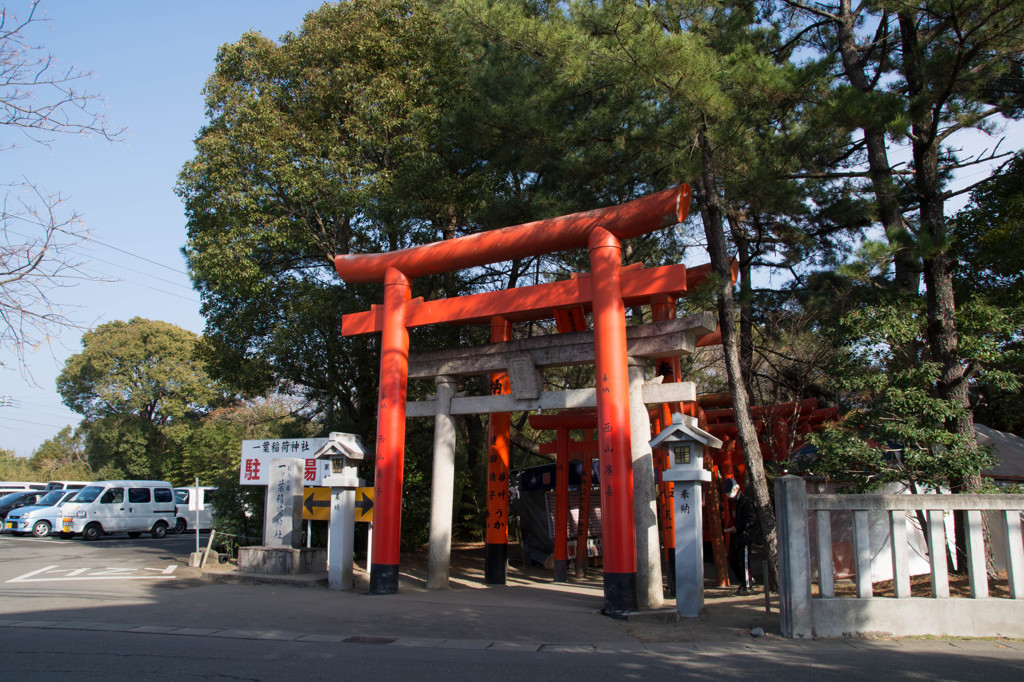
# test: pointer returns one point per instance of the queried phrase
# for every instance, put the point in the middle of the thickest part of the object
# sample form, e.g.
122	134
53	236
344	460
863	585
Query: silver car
41	518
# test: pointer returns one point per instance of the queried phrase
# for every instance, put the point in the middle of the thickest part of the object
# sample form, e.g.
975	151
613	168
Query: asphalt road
131	609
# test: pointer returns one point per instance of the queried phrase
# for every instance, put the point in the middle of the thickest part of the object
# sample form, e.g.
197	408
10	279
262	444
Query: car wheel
180	525
134	534
92	532
159	530
41	529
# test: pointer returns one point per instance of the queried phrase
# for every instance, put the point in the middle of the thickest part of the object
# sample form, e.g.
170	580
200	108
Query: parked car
41	518
133	507
186	499
18	499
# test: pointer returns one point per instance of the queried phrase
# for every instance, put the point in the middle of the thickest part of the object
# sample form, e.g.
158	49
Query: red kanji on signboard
252	469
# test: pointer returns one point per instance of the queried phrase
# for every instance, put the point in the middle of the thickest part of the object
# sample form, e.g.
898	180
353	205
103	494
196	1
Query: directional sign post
316	504
364	512
364	504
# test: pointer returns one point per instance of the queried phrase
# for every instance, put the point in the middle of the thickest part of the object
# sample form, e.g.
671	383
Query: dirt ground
726	615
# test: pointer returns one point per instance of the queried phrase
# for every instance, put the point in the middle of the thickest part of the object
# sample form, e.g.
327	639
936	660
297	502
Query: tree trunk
890	212
938	280
757	483
746	298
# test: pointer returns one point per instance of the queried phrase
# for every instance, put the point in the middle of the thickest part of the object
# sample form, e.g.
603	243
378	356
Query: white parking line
101	574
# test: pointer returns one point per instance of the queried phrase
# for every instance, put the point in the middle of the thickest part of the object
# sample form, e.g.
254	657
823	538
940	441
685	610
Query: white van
187	499
21	485
132	507
66	485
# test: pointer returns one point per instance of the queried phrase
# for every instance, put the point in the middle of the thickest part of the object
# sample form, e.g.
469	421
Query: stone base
281	560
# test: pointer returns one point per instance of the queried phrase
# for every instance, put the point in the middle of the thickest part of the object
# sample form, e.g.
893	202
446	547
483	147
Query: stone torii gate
601	231
523	360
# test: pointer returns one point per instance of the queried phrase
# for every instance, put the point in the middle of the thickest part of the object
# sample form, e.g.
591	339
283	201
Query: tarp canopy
1008	451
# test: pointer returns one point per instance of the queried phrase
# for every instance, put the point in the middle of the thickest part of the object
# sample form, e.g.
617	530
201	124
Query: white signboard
256	456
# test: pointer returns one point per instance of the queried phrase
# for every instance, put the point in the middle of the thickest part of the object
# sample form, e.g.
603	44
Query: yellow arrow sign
316	504
364	504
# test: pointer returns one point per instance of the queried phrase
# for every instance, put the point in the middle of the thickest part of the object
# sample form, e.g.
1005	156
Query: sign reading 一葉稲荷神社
256	456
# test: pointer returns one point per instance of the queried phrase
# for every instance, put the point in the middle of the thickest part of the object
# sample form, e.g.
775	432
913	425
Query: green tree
211	450
940	68
894	430
63	457
336	139
718	105
132	382
346	115
14	468
989	282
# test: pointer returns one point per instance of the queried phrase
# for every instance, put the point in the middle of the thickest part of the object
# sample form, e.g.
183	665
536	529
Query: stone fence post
794	557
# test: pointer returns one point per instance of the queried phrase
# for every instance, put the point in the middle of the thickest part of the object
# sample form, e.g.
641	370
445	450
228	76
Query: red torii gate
781	429
601	231
562	424
566	450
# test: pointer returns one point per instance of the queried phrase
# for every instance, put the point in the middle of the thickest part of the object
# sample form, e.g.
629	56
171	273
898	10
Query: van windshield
89	493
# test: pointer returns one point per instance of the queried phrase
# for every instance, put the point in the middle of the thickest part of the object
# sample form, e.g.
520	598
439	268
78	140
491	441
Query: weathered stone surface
281	560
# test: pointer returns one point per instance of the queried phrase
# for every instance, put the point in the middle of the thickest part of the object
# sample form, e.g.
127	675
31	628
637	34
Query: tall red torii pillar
600	230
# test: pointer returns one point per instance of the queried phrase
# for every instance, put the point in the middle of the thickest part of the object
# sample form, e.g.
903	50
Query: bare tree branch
37	238
41	100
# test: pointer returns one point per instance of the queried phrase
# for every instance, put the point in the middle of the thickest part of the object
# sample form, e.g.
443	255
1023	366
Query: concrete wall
825	615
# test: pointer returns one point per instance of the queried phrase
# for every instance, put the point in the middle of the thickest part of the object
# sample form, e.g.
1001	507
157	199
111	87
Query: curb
293	636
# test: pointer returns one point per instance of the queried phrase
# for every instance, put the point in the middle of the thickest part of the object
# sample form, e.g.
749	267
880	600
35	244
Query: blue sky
150	61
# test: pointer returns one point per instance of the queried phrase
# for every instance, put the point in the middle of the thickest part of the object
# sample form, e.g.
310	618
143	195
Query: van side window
113	496
138	495
163	495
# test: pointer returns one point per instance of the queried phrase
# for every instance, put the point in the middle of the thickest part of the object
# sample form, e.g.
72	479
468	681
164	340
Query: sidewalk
532	613
529	611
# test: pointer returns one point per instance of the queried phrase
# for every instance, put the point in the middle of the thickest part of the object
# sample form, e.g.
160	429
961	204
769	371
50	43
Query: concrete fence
805	614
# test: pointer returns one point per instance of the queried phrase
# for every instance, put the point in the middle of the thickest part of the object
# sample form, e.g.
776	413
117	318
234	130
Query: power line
151	288
141	272
86	237
117	265
126	252
25	421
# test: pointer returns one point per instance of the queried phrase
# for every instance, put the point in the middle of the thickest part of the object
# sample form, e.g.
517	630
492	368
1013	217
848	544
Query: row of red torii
630	536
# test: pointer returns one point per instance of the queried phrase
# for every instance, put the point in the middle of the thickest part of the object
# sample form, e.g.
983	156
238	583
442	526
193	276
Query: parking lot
67	571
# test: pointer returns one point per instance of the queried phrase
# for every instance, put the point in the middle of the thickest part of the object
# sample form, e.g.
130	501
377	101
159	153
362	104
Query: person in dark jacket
742	533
